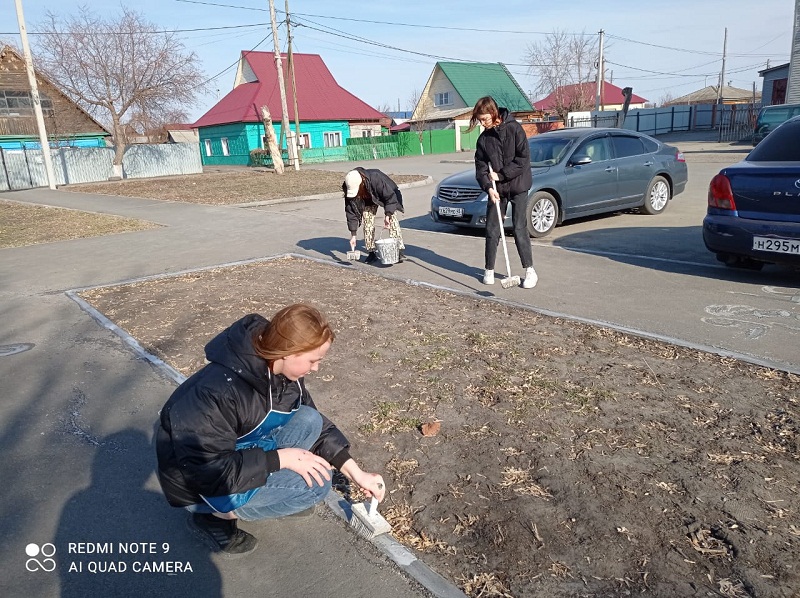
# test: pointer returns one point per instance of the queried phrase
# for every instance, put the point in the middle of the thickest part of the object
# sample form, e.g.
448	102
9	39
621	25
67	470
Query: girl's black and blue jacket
211	441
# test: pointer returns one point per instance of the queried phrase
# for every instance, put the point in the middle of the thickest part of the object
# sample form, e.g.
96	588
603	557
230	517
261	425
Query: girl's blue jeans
285	492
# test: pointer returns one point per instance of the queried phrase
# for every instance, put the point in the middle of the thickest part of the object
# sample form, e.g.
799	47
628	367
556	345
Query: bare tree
118	69
565	64
143	124
422	107
666	99
385	108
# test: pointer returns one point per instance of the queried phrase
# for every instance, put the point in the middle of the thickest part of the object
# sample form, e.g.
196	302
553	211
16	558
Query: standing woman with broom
503	170
365	189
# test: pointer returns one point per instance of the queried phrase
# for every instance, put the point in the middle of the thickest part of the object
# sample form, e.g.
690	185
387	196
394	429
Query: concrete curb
394	550
272	202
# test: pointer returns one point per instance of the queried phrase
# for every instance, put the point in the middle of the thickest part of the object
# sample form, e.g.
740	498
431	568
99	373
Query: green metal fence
361	149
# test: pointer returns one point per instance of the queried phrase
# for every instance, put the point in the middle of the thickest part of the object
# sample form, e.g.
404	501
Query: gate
737	121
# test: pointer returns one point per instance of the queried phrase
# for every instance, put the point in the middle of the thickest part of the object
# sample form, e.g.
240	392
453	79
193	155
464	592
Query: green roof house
454	87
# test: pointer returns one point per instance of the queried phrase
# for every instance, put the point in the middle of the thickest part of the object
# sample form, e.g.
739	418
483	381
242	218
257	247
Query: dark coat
229	397
382	190
506	148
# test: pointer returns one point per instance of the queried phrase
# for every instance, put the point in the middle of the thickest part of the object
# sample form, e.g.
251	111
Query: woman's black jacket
506	148
382	190
199	424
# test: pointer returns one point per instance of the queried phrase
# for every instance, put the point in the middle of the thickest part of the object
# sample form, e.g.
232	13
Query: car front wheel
657	196
542	214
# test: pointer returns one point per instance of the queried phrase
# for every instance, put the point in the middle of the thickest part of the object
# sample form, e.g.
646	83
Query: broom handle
502	222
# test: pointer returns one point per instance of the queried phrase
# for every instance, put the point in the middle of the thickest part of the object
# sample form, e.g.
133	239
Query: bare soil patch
570	460
23	224
232	187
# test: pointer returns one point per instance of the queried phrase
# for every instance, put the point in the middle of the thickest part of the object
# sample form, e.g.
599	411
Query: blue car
576	172
753	215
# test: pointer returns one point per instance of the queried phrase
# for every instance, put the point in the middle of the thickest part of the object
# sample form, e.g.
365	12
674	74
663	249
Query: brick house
67	124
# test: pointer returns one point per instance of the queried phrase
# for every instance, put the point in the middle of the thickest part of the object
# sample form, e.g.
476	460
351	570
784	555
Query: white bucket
388	250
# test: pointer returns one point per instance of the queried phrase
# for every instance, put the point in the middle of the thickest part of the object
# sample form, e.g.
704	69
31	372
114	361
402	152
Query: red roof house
328	113
581	95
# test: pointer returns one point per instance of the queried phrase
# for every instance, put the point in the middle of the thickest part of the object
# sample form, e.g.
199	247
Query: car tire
735	261
657	196
542	214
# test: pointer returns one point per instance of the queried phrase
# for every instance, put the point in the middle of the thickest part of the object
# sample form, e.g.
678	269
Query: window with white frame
332	139
305	140
442	99
225	150
208	147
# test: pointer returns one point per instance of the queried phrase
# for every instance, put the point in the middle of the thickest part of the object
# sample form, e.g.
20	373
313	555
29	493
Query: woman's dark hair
296	328
486	105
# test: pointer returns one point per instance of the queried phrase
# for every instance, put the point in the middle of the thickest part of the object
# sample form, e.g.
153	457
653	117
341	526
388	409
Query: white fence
24	169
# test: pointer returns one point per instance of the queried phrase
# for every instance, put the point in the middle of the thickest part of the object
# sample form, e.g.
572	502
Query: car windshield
776	116
548	150
779	146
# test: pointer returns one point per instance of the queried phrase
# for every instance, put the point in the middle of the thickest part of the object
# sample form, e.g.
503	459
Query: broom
509	281
353	254
366	520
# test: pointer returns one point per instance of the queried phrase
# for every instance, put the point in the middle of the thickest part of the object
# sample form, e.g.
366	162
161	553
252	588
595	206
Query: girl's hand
371	483
494	196
494	176
312	467
387	220
353	243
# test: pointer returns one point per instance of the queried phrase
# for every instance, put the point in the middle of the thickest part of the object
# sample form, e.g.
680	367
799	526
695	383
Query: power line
129	33
373	22
229	67
633	41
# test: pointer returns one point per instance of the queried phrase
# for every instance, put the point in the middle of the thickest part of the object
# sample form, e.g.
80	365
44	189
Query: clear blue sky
383	53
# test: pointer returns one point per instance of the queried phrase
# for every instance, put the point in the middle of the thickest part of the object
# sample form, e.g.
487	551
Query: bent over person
242	438
365	189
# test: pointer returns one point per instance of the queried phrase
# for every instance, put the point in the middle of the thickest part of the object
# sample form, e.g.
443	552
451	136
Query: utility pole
37	104
292	149
720	97
294	83
600	69
793	84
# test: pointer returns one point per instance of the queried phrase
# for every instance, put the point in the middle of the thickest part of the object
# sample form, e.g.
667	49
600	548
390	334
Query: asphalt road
648	274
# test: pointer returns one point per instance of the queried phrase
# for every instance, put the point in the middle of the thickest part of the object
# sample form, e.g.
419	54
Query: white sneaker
488	277
530	278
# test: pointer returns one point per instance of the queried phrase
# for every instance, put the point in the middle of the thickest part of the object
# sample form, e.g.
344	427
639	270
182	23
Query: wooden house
66	123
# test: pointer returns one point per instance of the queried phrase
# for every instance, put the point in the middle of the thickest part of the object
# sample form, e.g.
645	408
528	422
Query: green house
453	88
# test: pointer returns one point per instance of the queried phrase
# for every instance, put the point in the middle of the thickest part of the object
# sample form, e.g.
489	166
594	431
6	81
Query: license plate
447	211
791	246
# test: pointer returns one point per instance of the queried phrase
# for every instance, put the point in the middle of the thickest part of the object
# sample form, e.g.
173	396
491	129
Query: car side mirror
579	159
